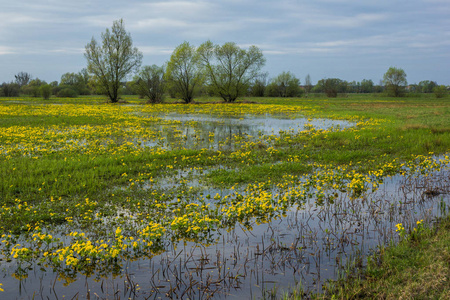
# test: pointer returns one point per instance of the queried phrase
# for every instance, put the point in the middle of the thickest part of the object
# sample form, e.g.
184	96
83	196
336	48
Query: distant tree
284	85
308	84
332	86
183	72
33	87
150	83
113	61
75	81
440	91
67	93
259	85
9	89
366	86
395	81
379	88
230	70
46	91
354	87
427	86
23	78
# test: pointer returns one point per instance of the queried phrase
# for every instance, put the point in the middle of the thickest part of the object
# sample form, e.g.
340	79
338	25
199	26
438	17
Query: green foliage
230	70
258	88
9	89
426	86
284	85
76	81
395	81
150	83
183	72
440	91
366	86
113	61
33	87
67	93
46	91
332	86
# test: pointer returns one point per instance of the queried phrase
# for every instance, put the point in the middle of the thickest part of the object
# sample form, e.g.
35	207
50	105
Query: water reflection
311	244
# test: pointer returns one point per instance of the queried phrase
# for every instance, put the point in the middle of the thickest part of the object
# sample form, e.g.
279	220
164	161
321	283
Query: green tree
10	89
46	91
113	61
150	83
183	72
395	81
75	81
33	87
332	86
230	70
427	86
284	85
366	86
440	91
259	85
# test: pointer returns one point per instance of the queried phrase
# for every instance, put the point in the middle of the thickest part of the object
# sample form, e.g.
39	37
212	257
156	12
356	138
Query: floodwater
197	131
313	243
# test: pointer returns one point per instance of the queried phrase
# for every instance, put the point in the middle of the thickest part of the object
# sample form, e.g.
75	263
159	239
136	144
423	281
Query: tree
366	86
426	86
113	61
259	85
308	84
440	91
332	86
75	81
46	91
284	85
33	87
23	78
230	70
395	81
183	72
9	89
150	83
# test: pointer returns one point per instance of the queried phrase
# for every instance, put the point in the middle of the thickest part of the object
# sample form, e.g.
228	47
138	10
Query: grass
418	267
102	169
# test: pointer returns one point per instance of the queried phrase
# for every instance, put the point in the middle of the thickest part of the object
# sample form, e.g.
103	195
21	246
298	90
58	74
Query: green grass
44	157
416	268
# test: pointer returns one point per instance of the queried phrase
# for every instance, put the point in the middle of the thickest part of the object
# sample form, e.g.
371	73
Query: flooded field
200	202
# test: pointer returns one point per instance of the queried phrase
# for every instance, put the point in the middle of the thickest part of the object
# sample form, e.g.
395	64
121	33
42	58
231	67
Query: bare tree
113	61
308	85
23	78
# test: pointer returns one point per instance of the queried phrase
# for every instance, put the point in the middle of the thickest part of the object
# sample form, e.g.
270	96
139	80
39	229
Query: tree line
224	70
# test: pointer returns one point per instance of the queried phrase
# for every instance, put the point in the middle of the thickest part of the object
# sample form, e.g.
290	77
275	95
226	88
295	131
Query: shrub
440	91
46	91
68	93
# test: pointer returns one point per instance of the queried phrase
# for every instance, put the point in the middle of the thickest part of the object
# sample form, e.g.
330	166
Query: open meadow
247	199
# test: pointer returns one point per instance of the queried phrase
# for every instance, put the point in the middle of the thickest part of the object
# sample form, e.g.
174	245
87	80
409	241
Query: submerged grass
418	267
84	183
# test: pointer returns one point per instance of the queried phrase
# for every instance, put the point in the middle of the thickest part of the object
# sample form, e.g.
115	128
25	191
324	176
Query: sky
350	40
